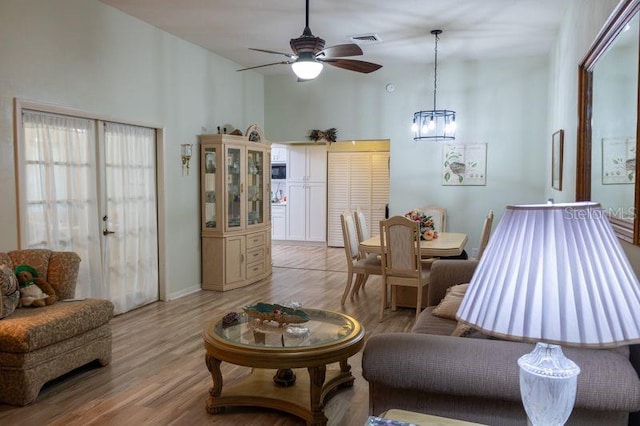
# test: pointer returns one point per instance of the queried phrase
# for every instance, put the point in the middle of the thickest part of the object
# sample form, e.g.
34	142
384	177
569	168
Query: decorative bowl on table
278	313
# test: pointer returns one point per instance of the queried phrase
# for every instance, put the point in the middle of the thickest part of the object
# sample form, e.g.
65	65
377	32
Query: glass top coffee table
275	352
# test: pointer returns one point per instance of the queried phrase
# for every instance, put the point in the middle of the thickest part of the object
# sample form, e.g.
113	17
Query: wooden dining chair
360	267
362	230
484	235
361	226
439	215
401	261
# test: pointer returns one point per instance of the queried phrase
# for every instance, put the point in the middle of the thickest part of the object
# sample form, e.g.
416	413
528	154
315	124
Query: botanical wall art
557	153
464	164
618	161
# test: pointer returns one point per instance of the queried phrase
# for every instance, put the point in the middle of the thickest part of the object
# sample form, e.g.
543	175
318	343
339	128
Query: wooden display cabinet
235	211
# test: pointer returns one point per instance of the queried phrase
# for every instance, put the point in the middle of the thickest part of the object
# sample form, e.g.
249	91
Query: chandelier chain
434	124
435	73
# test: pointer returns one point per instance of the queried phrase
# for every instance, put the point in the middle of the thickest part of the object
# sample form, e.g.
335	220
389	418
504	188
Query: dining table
446	244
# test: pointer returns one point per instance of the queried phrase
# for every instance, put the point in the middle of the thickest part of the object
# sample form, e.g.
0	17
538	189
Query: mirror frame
623	13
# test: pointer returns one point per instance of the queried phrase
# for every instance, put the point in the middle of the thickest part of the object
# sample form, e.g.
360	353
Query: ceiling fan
309	55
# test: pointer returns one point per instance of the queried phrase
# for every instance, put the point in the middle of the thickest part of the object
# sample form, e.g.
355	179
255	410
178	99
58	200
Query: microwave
278	171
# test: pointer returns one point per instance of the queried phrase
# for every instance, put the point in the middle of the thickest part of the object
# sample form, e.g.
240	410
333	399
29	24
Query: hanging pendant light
434	124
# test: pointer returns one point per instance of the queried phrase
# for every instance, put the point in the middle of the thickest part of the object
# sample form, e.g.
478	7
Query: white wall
88	56
501	102
580	26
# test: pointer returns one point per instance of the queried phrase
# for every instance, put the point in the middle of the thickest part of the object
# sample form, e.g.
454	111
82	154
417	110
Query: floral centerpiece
427	231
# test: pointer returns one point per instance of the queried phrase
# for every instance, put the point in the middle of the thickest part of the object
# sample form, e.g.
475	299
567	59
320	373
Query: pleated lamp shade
555	273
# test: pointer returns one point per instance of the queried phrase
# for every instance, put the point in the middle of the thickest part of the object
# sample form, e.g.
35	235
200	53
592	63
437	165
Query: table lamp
554	274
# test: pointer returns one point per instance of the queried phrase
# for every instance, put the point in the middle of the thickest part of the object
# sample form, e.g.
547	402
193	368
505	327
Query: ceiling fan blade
352	65
266	65
288	55
341	50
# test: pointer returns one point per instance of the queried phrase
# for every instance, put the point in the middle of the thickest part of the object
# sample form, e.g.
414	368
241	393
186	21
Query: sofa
38	344
476	378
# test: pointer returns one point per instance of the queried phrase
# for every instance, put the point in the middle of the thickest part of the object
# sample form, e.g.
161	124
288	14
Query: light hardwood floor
158	375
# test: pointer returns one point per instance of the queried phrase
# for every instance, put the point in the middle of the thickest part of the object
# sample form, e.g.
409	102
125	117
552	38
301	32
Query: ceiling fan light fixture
309	55
307	67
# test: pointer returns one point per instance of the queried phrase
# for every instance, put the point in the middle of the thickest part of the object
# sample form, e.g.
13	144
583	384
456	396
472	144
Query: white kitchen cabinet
306	218
306	211
278	153
307	163
278	222
316	211
356	179
297	211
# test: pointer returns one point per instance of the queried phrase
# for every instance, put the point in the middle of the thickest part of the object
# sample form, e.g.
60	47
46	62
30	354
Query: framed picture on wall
557	152
618	161
464	164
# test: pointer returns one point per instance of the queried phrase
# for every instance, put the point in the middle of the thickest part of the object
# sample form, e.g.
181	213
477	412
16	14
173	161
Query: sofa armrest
63	273
446	273
488	368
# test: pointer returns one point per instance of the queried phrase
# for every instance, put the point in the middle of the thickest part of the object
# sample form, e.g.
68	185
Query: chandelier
434	124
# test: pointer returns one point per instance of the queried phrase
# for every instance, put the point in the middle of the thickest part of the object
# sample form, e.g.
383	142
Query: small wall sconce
185	152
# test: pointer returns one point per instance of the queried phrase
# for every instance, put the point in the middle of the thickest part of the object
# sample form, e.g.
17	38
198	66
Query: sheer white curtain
60	193
131	252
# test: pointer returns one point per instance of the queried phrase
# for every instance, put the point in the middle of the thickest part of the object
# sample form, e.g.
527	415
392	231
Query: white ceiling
472	28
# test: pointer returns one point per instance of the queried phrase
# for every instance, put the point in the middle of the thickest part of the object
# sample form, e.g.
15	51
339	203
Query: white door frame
22	104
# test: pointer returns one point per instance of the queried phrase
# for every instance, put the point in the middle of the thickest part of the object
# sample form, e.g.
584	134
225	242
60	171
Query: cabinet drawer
255	254
255	240
254	269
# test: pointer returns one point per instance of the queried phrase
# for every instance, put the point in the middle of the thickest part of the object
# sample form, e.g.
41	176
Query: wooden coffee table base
259	390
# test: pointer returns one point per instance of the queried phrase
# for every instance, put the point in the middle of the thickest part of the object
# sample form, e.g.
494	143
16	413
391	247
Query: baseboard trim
183	292
298	243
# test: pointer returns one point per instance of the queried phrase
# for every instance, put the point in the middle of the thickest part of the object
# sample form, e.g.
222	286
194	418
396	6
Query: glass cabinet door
234	188
210	166
255	187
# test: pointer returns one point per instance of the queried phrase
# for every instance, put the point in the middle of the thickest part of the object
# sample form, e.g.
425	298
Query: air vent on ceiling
366	38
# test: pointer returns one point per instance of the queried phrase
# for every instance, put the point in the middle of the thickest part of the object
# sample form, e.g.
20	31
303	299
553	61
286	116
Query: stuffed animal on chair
34	291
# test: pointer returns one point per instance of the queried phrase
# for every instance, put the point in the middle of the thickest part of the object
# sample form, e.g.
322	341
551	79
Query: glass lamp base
548	382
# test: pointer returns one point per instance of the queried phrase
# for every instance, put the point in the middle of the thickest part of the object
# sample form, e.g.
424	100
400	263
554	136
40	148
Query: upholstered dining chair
361	226
439	215
484	235
401	261
361	267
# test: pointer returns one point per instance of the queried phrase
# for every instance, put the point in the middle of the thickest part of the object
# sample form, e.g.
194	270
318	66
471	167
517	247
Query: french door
90	186
129	220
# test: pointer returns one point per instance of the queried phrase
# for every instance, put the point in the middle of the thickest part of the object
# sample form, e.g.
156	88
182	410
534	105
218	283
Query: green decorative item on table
278	313
427	230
